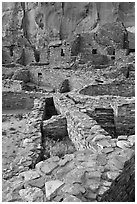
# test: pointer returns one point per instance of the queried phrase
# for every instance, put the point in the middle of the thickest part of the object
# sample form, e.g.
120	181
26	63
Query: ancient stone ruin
68	102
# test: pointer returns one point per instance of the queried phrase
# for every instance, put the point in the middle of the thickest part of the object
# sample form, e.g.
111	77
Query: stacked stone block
123	88
18	100
125	122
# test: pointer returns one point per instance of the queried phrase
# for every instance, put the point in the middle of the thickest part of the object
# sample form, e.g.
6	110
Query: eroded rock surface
37	23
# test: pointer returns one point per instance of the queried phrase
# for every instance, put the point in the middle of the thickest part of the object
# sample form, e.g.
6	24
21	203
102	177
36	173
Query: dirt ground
13	132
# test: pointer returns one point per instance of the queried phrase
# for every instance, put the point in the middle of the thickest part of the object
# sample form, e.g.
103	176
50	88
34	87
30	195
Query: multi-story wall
59	51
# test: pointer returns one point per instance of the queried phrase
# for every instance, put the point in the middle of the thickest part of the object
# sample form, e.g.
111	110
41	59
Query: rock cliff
37	22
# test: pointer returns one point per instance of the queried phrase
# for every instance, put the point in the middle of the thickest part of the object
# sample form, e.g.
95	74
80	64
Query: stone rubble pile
83	176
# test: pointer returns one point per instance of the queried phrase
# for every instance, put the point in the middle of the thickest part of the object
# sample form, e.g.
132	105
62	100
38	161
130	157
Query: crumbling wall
82	129
122	188
125	121
18	100
105	118
55	55
82	175
122	121
123	88
55	128
49	109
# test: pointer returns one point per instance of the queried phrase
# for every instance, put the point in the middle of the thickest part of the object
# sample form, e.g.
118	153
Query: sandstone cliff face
39	22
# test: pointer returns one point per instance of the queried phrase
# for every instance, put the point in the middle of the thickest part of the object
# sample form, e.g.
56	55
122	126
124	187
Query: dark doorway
37	55
49	109
113	57
131	50
62	53
94	51
39	78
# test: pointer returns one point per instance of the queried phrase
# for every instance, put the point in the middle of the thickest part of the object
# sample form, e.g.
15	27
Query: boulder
64	86
112	34
51	188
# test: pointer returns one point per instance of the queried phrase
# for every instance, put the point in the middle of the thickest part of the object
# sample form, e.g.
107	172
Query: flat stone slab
29	175
123	144
51	187
71	198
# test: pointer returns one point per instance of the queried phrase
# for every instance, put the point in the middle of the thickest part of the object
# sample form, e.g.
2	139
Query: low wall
105	118
122	188
122	88
18	100
124	111
82	129
125	122
55	127
82	175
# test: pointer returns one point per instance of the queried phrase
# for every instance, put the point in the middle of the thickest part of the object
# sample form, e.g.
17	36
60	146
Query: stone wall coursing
121	54
34	140
120	88
82	176
105	118
18	100
82	129
59	54
53	77
125	121
49	109
55	55
55	127
83	46
44	55
123	187
50	78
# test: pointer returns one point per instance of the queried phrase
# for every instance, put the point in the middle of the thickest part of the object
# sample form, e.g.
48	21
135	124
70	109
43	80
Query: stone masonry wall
124	110
82	129
18	100
123	187
125	122
55	127
121	88
82	176
105	118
